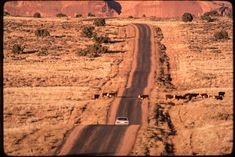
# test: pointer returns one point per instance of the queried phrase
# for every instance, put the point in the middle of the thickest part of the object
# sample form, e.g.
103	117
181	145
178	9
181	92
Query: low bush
92	50
37	15
42	33
78	15
143	15
211	13
91	15
207	18
87	31
187	17
17	49
221	35
101	39
130	17
99	22
159	33
61	15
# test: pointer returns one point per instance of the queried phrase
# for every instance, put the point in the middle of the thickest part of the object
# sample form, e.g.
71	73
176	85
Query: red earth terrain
115	8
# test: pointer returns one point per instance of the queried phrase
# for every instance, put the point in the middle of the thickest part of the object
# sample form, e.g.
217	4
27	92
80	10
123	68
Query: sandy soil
46	96
199	64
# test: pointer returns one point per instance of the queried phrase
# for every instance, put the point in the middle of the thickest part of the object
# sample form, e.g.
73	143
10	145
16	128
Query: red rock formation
112	8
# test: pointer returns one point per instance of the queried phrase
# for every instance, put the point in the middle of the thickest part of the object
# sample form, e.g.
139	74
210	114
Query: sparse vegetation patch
87	31
91	15
37	15
17	49
42	33
99	22
187	17
78	15
6	13
101	39
92	50
211	13
221	35
61	15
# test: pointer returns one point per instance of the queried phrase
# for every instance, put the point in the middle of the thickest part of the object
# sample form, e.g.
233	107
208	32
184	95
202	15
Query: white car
122	121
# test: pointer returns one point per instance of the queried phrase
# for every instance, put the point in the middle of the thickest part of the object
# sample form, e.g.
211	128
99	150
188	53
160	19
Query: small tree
78	15
187	17
99	22
42	33
17	49
37	15
221	35
61	15
87	31
90	14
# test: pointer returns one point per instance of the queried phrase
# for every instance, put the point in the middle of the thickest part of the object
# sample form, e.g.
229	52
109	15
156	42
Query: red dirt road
113	139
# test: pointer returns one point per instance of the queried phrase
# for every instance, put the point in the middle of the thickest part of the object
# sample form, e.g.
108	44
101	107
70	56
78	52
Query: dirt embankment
200	66
46	95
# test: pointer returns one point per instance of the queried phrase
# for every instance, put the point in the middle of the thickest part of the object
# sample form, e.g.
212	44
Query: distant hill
115	8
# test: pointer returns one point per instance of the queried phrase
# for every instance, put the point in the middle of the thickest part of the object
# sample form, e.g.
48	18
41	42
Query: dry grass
47	94
199	64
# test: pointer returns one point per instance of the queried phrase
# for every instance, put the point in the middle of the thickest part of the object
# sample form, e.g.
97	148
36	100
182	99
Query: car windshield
122	118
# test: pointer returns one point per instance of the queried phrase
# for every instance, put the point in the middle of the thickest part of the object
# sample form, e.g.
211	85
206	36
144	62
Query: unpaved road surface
112	139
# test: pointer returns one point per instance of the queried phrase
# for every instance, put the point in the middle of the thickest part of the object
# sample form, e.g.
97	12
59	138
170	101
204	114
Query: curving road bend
113	139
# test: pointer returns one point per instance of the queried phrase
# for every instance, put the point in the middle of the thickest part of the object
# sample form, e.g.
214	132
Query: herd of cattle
190	96
114	94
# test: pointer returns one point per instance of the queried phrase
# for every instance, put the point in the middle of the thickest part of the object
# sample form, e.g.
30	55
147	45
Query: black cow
143	96
218	97
169	96
113	94
179	97
221	94
204	95
96	96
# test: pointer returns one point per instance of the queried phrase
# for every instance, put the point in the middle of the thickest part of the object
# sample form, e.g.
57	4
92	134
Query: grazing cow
96	96
171	103
218	97
104	94
113	94
143	96
179	97
221	94
194	94
169	96
204	95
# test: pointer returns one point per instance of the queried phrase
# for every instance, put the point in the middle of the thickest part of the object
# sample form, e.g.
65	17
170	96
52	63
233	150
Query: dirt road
112	139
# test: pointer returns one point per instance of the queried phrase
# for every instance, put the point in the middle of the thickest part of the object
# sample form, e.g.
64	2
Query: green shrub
187	17
6	13
87	31
17	49
90	14
211	13
37	15
61	15
159	33
230	14
207	18
101	39
43	52
92	50
99	22
42	33
78	15
221	35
